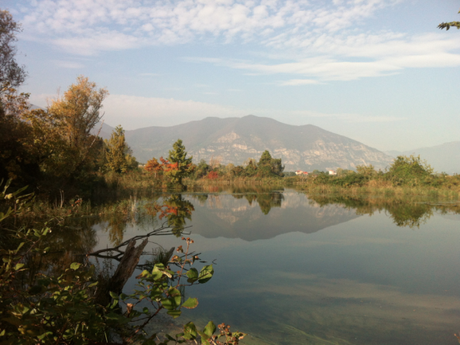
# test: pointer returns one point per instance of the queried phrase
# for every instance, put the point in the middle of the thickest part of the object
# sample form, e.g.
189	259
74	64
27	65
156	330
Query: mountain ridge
235	139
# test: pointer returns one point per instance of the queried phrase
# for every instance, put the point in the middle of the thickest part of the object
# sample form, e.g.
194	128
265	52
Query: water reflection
362	281
355	279
253	216
176	211
405	212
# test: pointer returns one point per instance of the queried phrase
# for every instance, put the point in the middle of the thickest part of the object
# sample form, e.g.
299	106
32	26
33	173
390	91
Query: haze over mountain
443	158
234	140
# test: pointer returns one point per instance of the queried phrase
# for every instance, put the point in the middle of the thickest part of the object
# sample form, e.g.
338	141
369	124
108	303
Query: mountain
234	140
103	130
443	158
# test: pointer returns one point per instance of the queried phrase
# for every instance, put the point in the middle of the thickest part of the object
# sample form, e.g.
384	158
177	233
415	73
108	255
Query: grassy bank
380	188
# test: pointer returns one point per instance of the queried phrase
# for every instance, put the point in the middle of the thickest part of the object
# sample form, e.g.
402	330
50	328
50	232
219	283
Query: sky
376	71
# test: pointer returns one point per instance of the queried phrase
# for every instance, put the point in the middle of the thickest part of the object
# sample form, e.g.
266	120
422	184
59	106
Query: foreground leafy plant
37	308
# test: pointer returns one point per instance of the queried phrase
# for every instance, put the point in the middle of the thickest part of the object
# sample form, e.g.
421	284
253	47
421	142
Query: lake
292	269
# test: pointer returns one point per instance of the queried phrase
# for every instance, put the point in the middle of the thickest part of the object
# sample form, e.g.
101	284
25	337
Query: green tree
366	170
117	151
265	158
202	169
277	167
251	167
10	71
448	25
179	165
238	171
409	171
269	166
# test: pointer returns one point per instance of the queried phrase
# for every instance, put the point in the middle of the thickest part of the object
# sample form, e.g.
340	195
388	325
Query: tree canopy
179	165
10	71
116	151
269	166
78	111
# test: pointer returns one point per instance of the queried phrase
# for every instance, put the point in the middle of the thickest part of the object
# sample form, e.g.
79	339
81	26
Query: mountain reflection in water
266	215
293	269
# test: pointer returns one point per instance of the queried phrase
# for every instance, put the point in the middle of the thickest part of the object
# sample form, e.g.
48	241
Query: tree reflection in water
266	198
406	212
72	239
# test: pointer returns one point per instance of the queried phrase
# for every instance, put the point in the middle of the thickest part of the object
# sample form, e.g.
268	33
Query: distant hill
103	130
234	140
443	158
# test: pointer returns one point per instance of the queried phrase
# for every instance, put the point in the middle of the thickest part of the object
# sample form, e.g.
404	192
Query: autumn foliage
212	175
153	166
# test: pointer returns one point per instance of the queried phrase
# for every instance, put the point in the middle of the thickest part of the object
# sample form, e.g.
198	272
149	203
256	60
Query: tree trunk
124	271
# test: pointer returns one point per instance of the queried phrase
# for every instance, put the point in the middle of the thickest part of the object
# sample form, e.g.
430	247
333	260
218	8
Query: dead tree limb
124	271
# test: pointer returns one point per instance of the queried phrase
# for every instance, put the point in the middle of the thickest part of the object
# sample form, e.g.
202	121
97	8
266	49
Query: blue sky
377	71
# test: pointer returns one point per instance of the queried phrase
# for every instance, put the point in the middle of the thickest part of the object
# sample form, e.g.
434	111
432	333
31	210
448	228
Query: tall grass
383	189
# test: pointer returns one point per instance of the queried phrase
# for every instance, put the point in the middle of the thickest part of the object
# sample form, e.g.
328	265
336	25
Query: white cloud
120	24
322	40
354	57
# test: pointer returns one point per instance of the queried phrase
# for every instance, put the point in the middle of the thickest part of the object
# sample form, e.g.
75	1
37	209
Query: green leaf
190	331
206	274
174	313
113	295
157	272
209	329
18	267
41	337
192	275
174	293
75	266
190	303
159	266
19	246
168	304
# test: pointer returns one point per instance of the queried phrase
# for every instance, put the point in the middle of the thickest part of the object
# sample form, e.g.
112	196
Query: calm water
293	270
